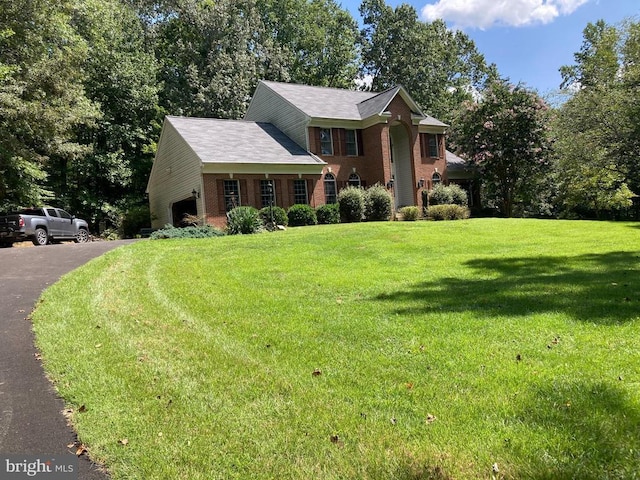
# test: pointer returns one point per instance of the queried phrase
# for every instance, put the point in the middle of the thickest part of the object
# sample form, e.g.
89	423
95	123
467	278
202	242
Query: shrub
279	215
378	204
169	231
440	195
410	214
329	213
243	221
458	195
134	219
301	215
447	212
448	195
351	201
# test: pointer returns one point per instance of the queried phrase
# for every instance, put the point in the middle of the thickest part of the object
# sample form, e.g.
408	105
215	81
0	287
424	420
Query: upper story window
351	143
231	189
300	191
330	190
326	142
267	193
354	180
433	146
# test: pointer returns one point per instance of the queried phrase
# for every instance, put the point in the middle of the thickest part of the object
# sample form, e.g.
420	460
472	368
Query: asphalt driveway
31	418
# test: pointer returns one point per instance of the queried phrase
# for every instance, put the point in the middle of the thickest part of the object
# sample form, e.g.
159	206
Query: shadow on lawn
602	288
593	433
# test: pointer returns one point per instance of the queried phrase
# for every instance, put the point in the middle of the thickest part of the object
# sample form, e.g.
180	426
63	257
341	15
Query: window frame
231	196
351	142
329	180
326	142
352	183
297	194
264	193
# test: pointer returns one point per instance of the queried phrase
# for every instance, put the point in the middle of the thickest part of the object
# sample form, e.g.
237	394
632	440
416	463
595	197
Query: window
351	142
433	146
52	212
330	192
231	194
436	178
267	192
300	191
354	180
64	214
326	142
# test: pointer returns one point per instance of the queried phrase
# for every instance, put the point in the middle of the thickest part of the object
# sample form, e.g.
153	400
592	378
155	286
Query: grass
475	349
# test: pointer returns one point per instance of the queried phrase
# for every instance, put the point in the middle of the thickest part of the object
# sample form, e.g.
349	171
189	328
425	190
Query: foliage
318	39
301	214
279	215
438	349
410	213
378	204
133	220
440	67
244	220
351	204
447	212
442	194
597	132
506	135
328	214
201	231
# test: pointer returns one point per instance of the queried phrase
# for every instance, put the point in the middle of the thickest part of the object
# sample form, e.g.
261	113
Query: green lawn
372	351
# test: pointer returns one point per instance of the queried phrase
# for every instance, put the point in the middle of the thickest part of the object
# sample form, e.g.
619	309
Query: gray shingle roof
239	141
341	104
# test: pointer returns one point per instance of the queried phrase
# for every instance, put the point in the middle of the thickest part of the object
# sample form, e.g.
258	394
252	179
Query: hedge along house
303	144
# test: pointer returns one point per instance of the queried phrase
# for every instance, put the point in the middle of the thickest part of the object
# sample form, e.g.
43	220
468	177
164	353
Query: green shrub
448	195
169	231
329	213
301	215
440	195
243	221
458	195
378	204
447	212
410	214
351	201
279	215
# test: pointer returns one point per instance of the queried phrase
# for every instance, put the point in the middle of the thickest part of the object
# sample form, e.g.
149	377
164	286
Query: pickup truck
42	226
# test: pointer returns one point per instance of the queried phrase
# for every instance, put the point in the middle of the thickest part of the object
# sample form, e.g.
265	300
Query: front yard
472	349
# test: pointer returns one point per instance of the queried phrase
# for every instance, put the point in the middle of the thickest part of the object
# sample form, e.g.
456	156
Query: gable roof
342	104
240	142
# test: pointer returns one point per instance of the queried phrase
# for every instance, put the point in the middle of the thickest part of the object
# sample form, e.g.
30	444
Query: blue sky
529	40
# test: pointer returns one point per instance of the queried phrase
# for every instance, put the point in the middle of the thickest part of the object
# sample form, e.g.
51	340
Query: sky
528	40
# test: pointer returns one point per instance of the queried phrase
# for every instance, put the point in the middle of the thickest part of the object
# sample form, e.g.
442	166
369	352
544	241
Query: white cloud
487	13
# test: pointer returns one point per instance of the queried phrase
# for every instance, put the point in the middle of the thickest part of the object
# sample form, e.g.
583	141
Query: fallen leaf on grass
82	409
317	372
81	450
124	441
430	418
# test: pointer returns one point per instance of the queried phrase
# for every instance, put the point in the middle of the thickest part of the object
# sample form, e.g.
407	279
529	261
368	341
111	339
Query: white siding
267	106
175	174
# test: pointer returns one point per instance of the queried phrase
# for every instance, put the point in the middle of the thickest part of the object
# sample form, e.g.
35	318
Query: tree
42	97
318	40
506	135
597	131
441	68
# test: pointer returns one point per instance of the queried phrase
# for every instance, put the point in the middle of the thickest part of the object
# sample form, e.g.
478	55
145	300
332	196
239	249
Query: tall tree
598	164
318	38
506	135
439	67
42	98
120	77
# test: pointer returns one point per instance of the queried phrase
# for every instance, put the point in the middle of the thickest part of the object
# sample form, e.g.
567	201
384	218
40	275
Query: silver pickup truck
42	226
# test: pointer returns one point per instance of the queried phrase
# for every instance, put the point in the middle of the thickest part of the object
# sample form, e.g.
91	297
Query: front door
401	166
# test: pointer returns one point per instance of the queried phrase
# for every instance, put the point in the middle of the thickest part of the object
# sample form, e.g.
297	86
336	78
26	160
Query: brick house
303	144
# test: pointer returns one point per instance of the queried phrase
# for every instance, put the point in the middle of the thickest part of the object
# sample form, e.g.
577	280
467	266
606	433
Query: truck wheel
41	237
6	244
82	236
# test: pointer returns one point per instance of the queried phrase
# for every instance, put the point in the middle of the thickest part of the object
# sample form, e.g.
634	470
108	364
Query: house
296	144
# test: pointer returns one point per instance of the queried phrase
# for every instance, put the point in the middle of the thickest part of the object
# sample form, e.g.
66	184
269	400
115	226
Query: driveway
31	419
